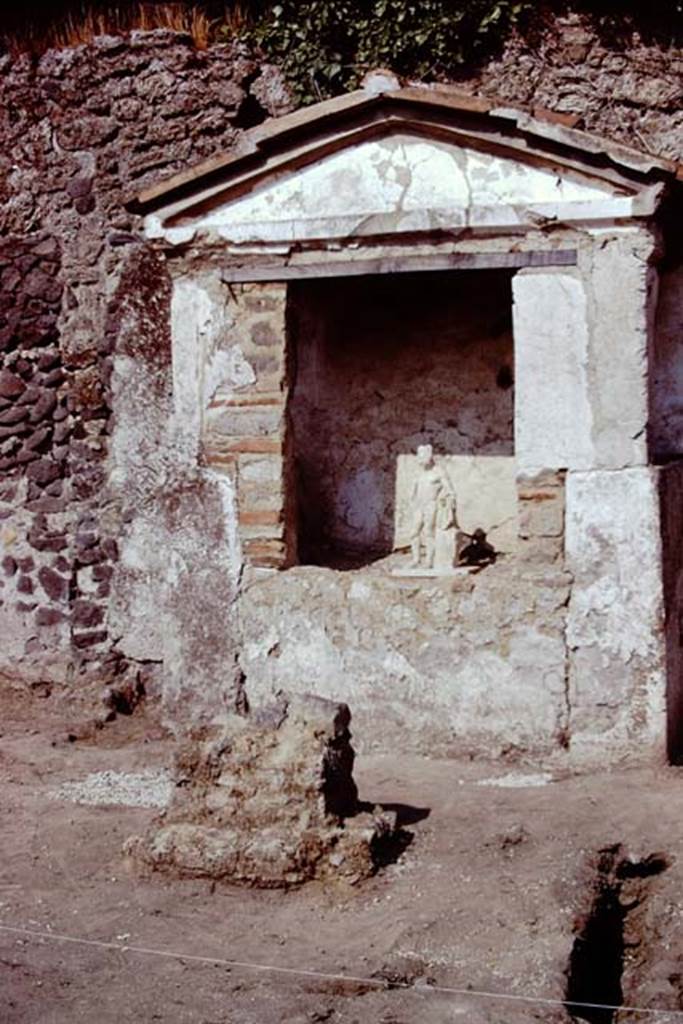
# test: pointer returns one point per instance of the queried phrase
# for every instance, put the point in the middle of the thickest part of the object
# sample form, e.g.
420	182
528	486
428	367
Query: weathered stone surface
622	288
49	617
55	586
582	341
476	665
43	471
617	673
25	585
553	417
570	67
267	800
86	614
10	385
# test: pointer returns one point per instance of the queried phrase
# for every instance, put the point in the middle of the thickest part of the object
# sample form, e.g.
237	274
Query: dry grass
81	28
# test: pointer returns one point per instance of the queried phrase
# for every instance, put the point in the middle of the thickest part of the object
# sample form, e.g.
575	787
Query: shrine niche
382	365
414	326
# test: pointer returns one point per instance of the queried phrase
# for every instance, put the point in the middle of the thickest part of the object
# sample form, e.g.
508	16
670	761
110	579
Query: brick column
247	430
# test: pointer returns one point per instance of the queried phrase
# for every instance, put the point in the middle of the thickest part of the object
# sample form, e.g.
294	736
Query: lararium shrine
397	318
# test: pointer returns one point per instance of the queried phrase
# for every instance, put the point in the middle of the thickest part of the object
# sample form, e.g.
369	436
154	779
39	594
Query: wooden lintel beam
400	265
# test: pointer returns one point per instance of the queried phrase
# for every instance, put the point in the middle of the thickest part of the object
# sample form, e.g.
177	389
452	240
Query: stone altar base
267	800
472	664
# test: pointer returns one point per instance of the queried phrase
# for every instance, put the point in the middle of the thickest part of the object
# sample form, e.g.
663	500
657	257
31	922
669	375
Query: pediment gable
390	164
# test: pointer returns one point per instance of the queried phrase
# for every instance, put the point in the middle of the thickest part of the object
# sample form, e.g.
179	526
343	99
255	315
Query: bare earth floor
485	897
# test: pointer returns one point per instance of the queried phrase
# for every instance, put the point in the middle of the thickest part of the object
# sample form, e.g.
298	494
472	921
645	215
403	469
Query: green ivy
325	46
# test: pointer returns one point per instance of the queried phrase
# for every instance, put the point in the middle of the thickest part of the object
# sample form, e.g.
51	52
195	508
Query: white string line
326	976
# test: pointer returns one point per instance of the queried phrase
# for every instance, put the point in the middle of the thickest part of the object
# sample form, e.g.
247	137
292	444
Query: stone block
553	417
260	469
271	554
262	530
86	614
541	506
260	497
55	586
267	800
615	625
49	617
216	458
11	386
246	421
622	287
254	445
254	517
539	551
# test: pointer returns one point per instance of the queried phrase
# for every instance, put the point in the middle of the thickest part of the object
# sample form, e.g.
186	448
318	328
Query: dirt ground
503	866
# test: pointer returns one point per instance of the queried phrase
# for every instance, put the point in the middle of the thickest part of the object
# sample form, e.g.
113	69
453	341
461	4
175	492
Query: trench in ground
596	963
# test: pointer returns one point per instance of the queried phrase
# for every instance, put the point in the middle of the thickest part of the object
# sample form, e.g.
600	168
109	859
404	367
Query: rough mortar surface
267	800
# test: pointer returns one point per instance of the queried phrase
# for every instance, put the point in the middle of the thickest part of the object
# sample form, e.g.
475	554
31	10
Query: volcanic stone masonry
80	129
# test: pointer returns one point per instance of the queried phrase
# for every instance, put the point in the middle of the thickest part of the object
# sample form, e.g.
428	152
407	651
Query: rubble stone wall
83	129
36	582
627	89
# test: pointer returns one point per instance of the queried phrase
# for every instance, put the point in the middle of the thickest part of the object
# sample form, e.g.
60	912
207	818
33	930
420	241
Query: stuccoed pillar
616	683
617	647
583	339
553	422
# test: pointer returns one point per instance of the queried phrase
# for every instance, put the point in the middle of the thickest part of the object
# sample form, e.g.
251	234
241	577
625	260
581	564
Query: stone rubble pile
269	800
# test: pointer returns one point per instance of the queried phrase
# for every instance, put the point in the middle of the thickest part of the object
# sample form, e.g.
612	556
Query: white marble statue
433	515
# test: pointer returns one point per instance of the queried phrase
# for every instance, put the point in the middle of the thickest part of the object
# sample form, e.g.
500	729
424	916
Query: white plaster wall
617	671
553	417
582	345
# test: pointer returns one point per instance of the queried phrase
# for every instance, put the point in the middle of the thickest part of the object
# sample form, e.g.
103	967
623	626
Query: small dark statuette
478	551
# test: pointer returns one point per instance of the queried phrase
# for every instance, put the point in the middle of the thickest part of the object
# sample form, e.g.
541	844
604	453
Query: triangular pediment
387	167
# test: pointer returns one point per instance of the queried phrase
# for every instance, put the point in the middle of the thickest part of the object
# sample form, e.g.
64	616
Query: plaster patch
227	370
